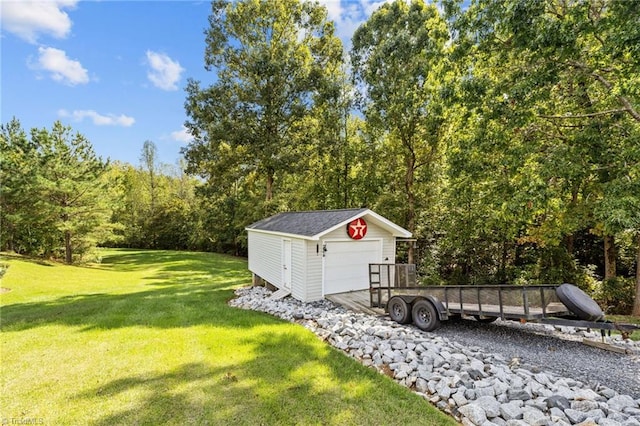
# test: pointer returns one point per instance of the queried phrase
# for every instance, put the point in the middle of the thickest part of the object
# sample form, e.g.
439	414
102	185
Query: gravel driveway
540	349
504	373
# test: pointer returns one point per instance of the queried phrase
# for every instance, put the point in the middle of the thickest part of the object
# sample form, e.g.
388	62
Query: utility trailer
394	288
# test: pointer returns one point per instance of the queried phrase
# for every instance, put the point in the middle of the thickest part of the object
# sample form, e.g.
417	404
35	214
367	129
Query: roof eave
395	230
283	234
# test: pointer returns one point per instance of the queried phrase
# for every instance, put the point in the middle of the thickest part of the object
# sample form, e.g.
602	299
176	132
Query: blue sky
115	70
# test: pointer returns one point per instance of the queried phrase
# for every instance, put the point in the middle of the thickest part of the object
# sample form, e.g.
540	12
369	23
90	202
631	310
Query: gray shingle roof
306	224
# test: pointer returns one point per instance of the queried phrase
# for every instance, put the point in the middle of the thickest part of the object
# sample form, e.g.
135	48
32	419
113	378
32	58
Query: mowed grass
147	338
628	319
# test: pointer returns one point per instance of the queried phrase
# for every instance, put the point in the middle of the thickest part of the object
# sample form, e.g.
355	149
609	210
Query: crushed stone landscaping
463	380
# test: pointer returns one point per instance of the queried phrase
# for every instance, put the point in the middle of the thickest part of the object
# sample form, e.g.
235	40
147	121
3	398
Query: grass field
147	338
629	320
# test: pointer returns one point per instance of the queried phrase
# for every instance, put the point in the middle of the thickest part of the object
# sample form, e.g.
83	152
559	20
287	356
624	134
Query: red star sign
357	229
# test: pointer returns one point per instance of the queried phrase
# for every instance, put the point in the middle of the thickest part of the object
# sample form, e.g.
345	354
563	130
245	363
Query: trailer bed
506	302
393	287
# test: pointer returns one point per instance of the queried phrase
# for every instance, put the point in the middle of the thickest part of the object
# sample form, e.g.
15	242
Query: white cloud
165	72
334	9
182	135
371	6
62	69
29	19
98	119
349	15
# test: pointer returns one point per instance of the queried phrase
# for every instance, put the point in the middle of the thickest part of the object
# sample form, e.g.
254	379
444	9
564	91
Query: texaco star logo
357	229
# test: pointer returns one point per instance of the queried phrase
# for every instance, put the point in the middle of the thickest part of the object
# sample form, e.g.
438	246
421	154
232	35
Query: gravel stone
620	402
533	416
520	394
490	405
575	416
558	401
474	413
483	374
584	406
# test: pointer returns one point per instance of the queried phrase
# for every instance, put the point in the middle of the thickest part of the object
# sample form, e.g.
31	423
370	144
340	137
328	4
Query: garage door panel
346	265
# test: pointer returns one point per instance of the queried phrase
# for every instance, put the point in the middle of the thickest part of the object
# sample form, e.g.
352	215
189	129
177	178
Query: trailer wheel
485	320
425	316
579	302
399	310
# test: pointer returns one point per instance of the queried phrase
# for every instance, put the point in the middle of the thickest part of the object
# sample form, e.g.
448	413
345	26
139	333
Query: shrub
616	295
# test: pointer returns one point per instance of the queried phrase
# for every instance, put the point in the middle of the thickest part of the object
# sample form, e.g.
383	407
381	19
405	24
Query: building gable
314	224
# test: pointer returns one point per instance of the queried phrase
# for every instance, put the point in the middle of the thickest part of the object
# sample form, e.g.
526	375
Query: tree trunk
345	153
411	203
610	254
636	303
68	251
502	273
569	242
269	195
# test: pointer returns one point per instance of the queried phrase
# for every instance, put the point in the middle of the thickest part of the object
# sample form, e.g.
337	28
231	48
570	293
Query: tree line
59	200
504	134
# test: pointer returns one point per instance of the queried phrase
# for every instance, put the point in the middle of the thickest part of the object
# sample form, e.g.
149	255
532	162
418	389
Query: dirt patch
4	290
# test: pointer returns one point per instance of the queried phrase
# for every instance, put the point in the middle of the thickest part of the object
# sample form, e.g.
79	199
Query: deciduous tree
274	61
400	62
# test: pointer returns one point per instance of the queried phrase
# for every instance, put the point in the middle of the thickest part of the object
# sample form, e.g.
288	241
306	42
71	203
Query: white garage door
346	264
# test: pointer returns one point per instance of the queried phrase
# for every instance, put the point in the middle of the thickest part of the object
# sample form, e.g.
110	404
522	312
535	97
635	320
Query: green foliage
272	114
616	295
52	195
20	224
276	61
399	60
155	206
545	147
503	133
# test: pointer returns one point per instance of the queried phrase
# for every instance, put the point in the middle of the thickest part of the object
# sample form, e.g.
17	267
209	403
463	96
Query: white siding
298	263
265	256
314	271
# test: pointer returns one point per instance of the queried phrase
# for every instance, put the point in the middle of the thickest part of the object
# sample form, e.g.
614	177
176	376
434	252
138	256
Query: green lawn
629	320
148	338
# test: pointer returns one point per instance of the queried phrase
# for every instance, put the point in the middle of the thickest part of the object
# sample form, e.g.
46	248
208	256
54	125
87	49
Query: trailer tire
579	303
399	310
425	316
485	320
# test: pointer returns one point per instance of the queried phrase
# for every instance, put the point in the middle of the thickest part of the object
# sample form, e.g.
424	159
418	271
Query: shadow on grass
127	260
289	380
163	308
280	375
184	289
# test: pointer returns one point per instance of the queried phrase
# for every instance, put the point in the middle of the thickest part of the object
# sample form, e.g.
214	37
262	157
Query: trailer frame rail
535	303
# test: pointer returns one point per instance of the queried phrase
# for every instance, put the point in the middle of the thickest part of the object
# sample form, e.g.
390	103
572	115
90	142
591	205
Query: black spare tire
579	303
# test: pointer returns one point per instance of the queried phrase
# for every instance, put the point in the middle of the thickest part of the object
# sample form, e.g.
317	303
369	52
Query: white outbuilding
311	254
